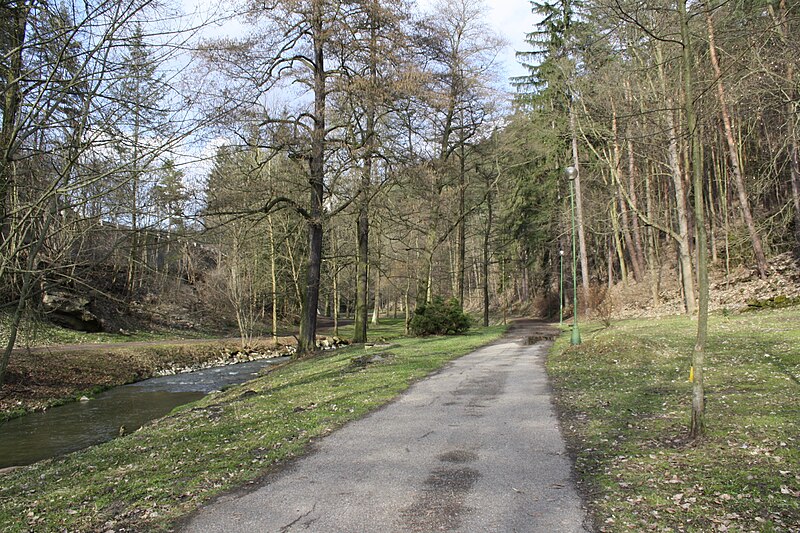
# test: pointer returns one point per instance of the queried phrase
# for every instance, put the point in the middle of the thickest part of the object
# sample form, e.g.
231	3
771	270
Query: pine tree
549	60
140	93
169	196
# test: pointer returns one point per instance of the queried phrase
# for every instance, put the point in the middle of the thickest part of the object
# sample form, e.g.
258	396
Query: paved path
473	448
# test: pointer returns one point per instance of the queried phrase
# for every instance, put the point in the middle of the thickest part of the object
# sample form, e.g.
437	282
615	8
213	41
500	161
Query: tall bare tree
733	148
460	51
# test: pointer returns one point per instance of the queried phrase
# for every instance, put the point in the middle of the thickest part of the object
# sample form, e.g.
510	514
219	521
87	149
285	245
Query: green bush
439	318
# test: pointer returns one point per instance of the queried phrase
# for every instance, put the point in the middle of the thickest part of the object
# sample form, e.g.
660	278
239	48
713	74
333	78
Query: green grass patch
148	479
624	399
385	329
34	333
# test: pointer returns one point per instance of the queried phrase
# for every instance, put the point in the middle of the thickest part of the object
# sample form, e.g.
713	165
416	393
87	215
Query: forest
357	159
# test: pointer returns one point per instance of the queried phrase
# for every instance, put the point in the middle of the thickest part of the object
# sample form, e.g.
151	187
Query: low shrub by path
624	400
146	480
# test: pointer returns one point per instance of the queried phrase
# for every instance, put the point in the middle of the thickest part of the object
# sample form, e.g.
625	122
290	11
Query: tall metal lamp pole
572	173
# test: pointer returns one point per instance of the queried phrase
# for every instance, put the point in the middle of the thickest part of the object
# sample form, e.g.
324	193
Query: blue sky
511	19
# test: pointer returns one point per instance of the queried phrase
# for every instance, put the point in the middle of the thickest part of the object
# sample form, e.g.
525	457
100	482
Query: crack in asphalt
288	526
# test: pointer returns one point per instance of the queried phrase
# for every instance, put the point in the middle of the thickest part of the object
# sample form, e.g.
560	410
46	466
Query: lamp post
572	173
561	288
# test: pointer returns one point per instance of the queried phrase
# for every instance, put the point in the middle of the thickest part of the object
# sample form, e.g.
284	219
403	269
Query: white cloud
511	19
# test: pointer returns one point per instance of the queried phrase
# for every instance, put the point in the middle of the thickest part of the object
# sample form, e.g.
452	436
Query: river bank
40	379
116	412
149	478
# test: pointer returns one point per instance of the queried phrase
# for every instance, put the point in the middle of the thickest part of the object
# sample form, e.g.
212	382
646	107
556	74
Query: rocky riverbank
40	379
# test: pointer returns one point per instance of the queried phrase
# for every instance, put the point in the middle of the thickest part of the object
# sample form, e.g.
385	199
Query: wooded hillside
367	159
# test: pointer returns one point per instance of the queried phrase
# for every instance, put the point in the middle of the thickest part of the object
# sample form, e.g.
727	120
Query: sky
511	19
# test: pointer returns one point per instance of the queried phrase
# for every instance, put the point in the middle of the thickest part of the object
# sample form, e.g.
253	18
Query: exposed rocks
228	356
70	311
331	343
362	361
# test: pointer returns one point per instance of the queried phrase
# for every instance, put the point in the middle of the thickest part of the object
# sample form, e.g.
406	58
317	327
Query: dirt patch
733	291
440	505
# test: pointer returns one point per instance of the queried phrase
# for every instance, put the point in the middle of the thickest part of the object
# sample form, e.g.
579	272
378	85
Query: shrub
439	318
602	303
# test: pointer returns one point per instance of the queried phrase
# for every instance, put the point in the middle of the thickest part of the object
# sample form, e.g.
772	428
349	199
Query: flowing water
76	425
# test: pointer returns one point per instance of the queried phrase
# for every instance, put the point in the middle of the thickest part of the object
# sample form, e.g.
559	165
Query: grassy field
146	480
624	401
35	333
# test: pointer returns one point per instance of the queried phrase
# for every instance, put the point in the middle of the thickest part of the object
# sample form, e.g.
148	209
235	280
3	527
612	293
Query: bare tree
460	51
61	64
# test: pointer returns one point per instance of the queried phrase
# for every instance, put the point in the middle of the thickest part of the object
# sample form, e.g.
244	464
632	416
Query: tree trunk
793	145
681	208
14	26
616	174
362	225
794	164
579	205
697	426
407	294
655	269
487	252
362	266
637	232
308	321
462	231
274	279
425	272
733	152
615	229
377	301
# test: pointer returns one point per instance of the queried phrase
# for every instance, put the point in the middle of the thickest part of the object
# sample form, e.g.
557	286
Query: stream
77	425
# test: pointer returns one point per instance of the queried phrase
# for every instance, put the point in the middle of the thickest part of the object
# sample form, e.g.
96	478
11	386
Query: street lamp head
561	253
571	173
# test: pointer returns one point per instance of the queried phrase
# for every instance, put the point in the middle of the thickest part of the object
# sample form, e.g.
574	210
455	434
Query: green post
561	288
572	173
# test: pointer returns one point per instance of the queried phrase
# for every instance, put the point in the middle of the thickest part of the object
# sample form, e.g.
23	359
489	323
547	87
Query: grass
624	400
147	480
34	333
386	329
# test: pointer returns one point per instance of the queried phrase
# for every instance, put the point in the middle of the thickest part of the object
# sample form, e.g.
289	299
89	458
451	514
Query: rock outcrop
71	311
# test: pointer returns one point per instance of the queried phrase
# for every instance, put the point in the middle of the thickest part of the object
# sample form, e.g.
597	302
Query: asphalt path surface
475	447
